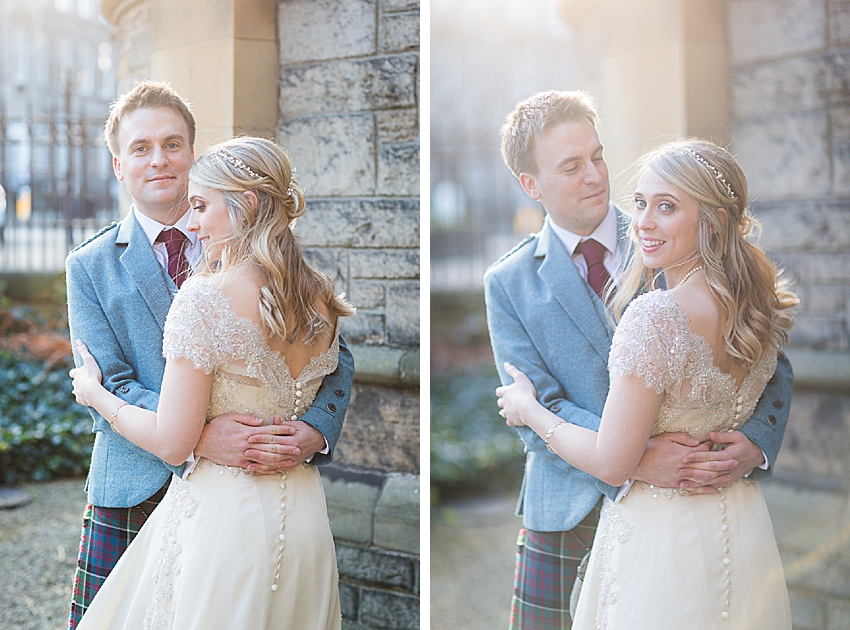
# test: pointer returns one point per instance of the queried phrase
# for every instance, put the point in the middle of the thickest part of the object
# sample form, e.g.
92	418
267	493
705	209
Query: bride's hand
514	399
87	377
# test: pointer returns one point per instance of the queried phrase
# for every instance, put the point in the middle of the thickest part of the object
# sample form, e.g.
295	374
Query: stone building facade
337	83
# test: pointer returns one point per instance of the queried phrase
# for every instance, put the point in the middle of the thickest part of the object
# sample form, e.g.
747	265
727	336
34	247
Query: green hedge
44	433
472	450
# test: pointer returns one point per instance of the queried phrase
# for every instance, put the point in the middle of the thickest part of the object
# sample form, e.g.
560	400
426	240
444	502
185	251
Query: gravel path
39	543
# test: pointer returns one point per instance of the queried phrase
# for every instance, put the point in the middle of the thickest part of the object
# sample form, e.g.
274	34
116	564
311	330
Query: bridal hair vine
236	162
717	174
290	190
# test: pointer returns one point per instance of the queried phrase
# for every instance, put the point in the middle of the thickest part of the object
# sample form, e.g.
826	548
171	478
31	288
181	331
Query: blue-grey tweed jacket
545	319
118	297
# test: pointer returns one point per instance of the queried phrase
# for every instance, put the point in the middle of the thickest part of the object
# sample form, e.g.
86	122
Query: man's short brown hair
147	94
530	118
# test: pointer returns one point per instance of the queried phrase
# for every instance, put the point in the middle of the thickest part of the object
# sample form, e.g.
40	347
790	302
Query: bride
694	358
255	333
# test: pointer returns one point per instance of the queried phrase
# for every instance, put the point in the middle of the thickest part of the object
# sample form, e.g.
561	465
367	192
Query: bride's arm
612	454
173	430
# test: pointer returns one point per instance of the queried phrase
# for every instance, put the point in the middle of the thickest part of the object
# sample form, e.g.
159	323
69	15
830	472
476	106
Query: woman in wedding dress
693	358
255	333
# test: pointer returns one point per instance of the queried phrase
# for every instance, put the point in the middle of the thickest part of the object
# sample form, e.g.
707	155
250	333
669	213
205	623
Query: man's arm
87	320
512	343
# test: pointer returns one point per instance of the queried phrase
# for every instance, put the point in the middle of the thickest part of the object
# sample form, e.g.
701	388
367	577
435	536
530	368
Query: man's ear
529	185
116	168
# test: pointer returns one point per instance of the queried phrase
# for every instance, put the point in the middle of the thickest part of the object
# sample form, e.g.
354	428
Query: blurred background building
57	78
770	78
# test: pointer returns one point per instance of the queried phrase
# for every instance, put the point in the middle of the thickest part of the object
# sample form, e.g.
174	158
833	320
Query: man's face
572	178
154	160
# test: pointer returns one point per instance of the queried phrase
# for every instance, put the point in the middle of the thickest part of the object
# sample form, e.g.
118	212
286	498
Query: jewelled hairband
717	174
240	164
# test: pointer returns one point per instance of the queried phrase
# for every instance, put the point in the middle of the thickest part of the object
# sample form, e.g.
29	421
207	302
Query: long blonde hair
756	302
262	235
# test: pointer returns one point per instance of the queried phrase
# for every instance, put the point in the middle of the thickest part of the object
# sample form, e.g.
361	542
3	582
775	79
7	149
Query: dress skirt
227	549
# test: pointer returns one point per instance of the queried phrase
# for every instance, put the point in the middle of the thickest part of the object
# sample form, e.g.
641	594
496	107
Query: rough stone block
829	267
391	264
332	262
838	66
398	169
352	499
360	223
789	85
311	30
804	226
335	155
349	85
364	328
821	332
397	514
785	157
397	126
381	430
349	599
840	123
398	5
398	32
384	610
827	299
352	625
839	25
403	313
367	294
817	438
767	29
838	613
808	611
376	566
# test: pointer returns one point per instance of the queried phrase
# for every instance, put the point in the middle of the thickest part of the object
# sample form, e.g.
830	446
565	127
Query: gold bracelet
551	432
114	416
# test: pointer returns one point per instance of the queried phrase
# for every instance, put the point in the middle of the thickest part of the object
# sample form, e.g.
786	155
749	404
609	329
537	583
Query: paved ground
473	547
38	552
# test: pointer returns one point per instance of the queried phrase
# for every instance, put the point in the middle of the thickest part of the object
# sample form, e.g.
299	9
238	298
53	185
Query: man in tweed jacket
545	318
119	292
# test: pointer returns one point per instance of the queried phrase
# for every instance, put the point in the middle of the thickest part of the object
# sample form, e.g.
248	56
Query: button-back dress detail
663	559
225	548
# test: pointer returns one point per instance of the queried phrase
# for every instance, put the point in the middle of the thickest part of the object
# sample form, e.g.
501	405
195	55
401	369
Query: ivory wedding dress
227	549
663	559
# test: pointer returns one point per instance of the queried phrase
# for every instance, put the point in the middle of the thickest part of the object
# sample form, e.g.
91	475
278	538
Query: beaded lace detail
654	342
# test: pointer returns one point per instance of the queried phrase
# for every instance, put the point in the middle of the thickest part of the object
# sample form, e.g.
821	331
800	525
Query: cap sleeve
194	326
649	342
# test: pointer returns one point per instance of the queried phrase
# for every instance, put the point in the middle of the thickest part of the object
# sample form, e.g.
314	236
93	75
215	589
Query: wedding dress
227	549
663	559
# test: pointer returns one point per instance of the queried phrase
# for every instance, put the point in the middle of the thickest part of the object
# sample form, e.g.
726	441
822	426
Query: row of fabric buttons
282	535
727	561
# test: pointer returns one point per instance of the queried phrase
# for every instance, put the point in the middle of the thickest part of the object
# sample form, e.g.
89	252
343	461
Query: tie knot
173	239
593	251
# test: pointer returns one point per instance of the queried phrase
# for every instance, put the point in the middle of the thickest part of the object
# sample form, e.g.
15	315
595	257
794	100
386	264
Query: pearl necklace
689	274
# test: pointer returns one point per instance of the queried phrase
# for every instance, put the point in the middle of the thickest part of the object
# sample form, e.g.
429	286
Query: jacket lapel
573	294
139	261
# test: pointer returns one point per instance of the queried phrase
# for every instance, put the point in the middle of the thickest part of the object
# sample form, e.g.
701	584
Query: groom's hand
224	441
738	448
663	462
294	442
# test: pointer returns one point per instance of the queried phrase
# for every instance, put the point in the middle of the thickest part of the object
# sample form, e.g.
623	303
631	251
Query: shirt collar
605	233
152	228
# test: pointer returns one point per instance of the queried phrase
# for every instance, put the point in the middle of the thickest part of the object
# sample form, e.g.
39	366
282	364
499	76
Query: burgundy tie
175	244
594	254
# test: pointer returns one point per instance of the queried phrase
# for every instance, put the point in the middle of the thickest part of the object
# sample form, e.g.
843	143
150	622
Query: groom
546	317
120	286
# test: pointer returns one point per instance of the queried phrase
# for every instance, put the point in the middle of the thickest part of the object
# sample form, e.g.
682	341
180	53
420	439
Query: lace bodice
248	376
654	342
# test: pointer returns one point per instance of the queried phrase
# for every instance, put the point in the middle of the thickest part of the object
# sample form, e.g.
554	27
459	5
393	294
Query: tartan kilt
546	565
107	532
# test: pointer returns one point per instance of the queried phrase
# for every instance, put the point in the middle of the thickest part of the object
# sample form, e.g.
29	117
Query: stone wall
790	108
349	109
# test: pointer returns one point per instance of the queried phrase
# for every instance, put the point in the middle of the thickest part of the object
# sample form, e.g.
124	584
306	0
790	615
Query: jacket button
124	389
778	404
555	408
772	380
332	408
771	419
339	393
142	406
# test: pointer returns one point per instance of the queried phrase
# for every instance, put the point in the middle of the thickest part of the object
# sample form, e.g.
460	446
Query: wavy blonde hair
757	304
262	235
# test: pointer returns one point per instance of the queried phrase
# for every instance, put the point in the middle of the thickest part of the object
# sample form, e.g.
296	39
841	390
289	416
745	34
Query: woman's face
209	219
666	222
